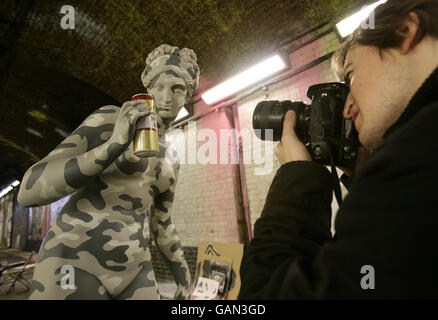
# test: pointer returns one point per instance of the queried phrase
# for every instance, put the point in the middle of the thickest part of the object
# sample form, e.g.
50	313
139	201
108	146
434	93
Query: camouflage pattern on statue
101	231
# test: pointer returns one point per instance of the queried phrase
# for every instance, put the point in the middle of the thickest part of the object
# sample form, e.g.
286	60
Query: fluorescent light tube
348	25
6	190
244	79
9	188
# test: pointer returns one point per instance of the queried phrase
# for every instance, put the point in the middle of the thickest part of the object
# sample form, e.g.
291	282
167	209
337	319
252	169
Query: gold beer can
146	130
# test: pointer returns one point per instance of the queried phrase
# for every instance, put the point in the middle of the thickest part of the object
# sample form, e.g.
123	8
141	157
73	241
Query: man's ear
409	32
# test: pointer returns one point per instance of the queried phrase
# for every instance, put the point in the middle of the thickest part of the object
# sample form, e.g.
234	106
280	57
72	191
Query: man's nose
347	107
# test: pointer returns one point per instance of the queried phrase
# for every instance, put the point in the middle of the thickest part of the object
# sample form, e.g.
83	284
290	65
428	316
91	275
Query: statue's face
170	94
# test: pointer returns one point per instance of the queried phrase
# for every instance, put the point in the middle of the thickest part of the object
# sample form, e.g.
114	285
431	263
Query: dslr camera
329	137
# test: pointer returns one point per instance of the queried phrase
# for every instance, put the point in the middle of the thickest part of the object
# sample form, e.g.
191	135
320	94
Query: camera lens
270	115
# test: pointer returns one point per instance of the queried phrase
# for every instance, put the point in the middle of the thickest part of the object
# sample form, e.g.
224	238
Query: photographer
385	244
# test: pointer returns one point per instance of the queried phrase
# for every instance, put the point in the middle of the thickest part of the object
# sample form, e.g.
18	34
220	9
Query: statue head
172	77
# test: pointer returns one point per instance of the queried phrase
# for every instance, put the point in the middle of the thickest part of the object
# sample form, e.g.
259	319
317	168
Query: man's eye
347	78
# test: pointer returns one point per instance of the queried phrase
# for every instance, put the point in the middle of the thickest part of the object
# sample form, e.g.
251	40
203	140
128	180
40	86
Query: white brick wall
205	207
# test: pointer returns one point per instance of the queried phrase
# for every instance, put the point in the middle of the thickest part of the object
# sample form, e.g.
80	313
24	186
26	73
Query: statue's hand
124	127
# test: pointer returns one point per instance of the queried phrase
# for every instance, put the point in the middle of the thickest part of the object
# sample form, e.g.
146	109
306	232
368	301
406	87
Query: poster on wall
2	224
40	221
20	225
6	210
36	228
46	219
56	208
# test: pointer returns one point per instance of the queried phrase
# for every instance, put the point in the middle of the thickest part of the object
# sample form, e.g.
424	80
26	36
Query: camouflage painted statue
100	232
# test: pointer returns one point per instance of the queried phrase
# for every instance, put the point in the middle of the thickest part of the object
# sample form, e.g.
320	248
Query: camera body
320	126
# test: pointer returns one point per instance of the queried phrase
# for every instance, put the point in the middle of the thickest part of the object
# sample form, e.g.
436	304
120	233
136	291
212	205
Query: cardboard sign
221	262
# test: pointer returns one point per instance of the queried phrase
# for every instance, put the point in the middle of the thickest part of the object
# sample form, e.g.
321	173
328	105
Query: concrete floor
19	291
167	290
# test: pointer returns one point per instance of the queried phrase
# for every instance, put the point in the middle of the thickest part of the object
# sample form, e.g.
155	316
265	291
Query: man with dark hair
385	229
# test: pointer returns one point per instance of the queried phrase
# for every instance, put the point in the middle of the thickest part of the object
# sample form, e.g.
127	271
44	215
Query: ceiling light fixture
348	25
34	132
61	132
243	80
9	188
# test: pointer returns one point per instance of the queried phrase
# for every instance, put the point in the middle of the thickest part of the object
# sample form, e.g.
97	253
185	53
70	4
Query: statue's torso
107	218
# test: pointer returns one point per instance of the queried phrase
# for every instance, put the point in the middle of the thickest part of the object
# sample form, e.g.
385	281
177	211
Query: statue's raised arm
86	152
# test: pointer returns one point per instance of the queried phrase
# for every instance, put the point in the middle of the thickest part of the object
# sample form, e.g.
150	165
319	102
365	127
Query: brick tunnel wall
207	206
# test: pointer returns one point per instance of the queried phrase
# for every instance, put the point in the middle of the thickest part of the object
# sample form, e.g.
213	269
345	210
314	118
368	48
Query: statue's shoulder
103	116
107	110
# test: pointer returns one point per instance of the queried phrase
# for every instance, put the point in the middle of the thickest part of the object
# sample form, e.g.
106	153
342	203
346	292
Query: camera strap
336	183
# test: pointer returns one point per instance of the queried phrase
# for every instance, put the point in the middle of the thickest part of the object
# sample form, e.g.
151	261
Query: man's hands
291	148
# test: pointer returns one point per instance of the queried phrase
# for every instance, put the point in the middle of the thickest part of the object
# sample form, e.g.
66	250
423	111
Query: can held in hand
146	130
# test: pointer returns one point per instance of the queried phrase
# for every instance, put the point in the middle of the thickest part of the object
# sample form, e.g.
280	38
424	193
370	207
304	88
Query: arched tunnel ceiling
52	78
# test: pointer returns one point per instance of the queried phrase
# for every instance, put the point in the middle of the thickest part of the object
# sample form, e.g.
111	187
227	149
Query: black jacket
388	221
